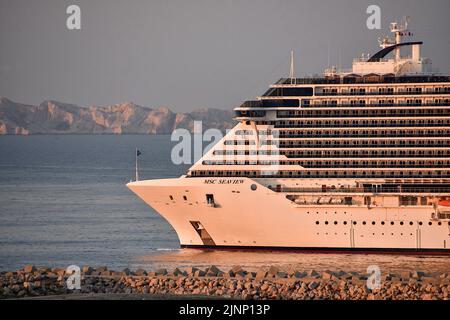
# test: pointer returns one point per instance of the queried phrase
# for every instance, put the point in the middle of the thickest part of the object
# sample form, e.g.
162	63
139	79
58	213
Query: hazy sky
185	54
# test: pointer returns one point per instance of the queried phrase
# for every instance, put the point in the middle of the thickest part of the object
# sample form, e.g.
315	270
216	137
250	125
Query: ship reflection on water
183	258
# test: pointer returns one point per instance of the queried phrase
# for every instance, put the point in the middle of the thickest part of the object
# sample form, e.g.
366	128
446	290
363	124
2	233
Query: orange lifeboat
445	203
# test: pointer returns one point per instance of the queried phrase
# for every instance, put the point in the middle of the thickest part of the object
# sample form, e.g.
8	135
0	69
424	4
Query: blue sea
63	201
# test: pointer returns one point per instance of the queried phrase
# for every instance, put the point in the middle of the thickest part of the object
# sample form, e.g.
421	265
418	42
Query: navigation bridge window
289	92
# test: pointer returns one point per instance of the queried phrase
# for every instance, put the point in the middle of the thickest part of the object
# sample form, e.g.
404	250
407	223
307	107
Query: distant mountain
53	117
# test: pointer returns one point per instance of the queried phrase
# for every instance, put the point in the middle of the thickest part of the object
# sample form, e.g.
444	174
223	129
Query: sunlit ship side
354	161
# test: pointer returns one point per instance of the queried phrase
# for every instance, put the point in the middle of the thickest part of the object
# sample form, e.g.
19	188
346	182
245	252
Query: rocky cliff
52	117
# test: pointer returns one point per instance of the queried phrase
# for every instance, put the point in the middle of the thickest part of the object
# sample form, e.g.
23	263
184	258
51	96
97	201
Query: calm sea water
63	201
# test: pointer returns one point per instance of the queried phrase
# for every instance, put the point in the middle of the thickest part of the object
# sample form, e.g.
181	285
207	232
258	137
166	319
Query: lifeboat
444	203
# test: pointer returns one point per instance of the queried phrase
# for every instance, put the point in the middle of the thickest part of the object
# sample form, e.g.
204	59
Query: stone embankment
236	283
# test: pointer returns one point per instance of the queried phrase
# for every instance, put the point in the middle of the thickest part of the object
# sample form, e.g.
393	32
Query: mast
136	163
292	72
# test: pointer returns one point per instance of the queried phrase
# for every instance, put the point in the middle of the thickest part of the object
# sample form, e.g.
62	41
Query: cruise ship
351	161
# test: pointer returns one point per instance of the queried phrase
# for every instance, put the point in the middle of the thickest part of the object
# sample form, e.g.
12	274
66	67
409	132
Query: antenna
329	55
292	72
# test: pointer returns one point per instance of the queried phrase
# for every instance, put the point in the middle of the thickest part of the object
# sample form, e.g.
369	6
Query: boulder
313	285
313	274
29	268
199	273
140	272
191	271
177	272
86	270
213	271
161	272
126	272
261	274
237	269
327	275
273	271
299	274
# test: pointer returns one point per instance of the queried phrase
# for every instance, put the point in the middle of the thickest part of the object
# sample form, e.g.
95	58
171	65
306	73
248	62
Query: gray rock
29	268
313	274
191	271
229	274
237	269
273	271
405	275
161	272
126	271
417	274
213	271
313	285
86	270
177	272
199	273
261	274
299	275
140	272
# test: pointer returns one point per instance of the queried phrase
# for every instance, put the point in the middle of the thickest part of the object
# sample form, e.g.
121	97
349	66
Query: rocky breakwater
237	283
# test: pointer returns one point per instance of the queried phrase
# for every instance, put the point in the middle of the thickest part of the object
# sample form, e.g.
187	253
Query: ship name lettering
224	181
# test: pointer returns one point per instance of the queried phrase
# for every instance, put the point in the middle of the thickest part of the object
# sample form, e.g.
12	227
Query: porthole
354	222
345	222
335	222
430	223
253	187
420	223
184	198
317	222
364	223
326	222
410	223
382	223
373	223
401	223
439	223
392	223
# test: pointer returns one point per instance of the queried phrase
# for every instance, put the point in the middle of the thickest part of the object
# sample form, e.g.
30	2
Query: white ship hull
243	218
352	161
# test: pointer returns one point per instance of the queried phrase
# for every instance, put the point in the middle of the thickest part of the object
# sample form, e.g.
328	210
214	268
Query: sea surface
63	201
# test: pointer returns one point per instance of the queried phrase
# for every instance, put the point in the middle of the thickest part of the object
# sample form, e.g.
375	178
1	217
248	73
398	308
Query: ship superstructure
355	160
